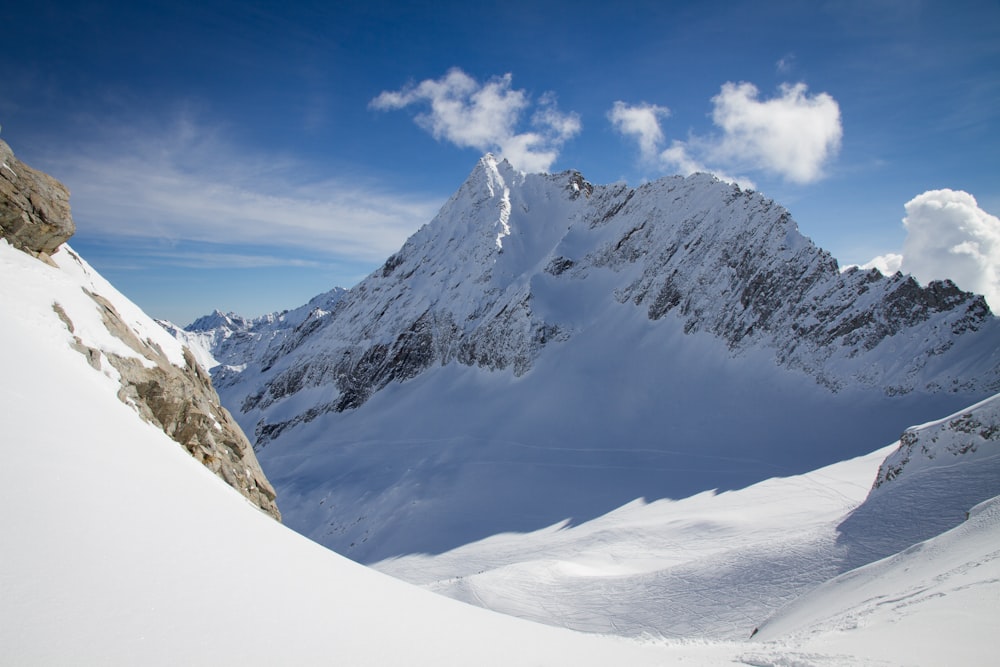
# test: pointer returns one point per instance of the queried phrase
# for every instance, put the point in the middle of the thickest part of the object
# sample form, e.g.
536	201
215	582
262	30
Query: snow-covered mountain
113	535
121	548
546	349
231	340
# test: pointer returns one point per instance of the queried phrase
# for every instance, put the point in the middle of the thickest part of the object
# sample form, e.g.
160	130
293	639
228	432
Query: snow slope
120	549
709	566
547	350
935	603
716	565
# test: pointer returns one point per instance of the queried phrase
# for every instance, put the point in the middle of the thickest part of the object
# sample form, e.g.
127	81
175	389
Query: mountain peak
606	320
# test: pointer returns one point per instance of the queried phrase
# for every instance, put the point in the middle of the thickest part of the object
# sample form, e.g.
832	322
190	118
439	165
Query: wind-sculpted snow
546	348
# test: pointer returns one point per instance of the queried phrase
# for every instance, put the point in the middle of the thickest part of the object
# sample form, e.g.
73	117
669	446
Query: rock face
169	390
34	207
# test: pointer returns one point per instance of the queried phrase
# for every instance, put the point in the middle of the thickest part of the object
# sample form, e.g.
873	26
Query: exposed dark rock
34	207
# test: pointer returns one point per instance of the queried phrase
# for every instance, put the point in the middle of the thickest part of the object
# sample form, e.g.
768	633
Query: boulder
34	207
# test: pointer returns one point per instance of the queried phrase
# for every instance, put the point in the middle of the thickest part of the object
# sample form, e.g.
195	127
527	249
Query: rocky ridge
166	387
548	348
471	287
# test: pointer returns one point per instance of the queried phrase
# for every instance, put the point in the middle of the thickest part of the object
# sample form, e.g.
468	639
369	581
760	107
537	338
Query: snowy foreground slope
711	565
716	565
547	350
120	549
933	604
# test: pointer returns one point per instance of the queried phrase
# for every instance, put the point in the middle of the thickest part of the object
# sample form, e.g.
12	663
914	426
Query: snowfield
120	549
708	566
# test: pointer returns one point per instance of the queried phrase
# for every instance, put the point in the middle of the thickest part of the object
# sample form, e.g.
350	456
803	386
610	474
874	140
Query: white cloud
888	263
792	135
642	122
486	117
186	184
949	236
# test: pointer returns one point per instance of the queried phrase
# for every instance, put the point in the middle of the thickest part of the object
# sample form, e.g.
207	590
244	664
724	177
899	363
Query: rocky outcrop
962	438
34	207
927	485
181	402
179	399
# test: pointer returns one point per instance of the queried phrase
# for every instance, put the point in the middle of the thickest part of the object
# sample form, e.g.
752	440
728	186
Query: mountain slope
933	604
546	349
144	367
939	470
933	517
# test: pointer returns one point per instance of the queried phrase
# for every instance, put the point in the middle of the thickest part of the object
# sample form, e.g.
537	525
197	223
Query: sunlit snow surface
120	549
705	566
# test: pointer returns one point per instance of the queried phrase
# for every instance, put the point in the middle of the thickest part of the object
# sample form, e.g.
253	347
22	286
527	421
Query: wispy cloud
188	184
792	135
785	64
144	255
642	122
486	116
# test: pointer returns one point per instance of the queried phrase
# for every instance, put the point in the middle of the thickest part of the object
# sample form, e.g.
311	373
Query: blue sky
247	156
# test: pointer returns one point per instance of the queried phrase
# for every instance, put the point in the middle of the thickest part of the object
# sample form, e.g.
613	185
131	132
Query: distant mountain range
547	349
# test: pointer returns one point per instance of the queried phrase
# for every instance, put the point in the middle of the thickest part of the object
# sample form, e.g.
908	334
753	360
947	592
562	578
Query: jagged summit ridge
485	284
617	343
